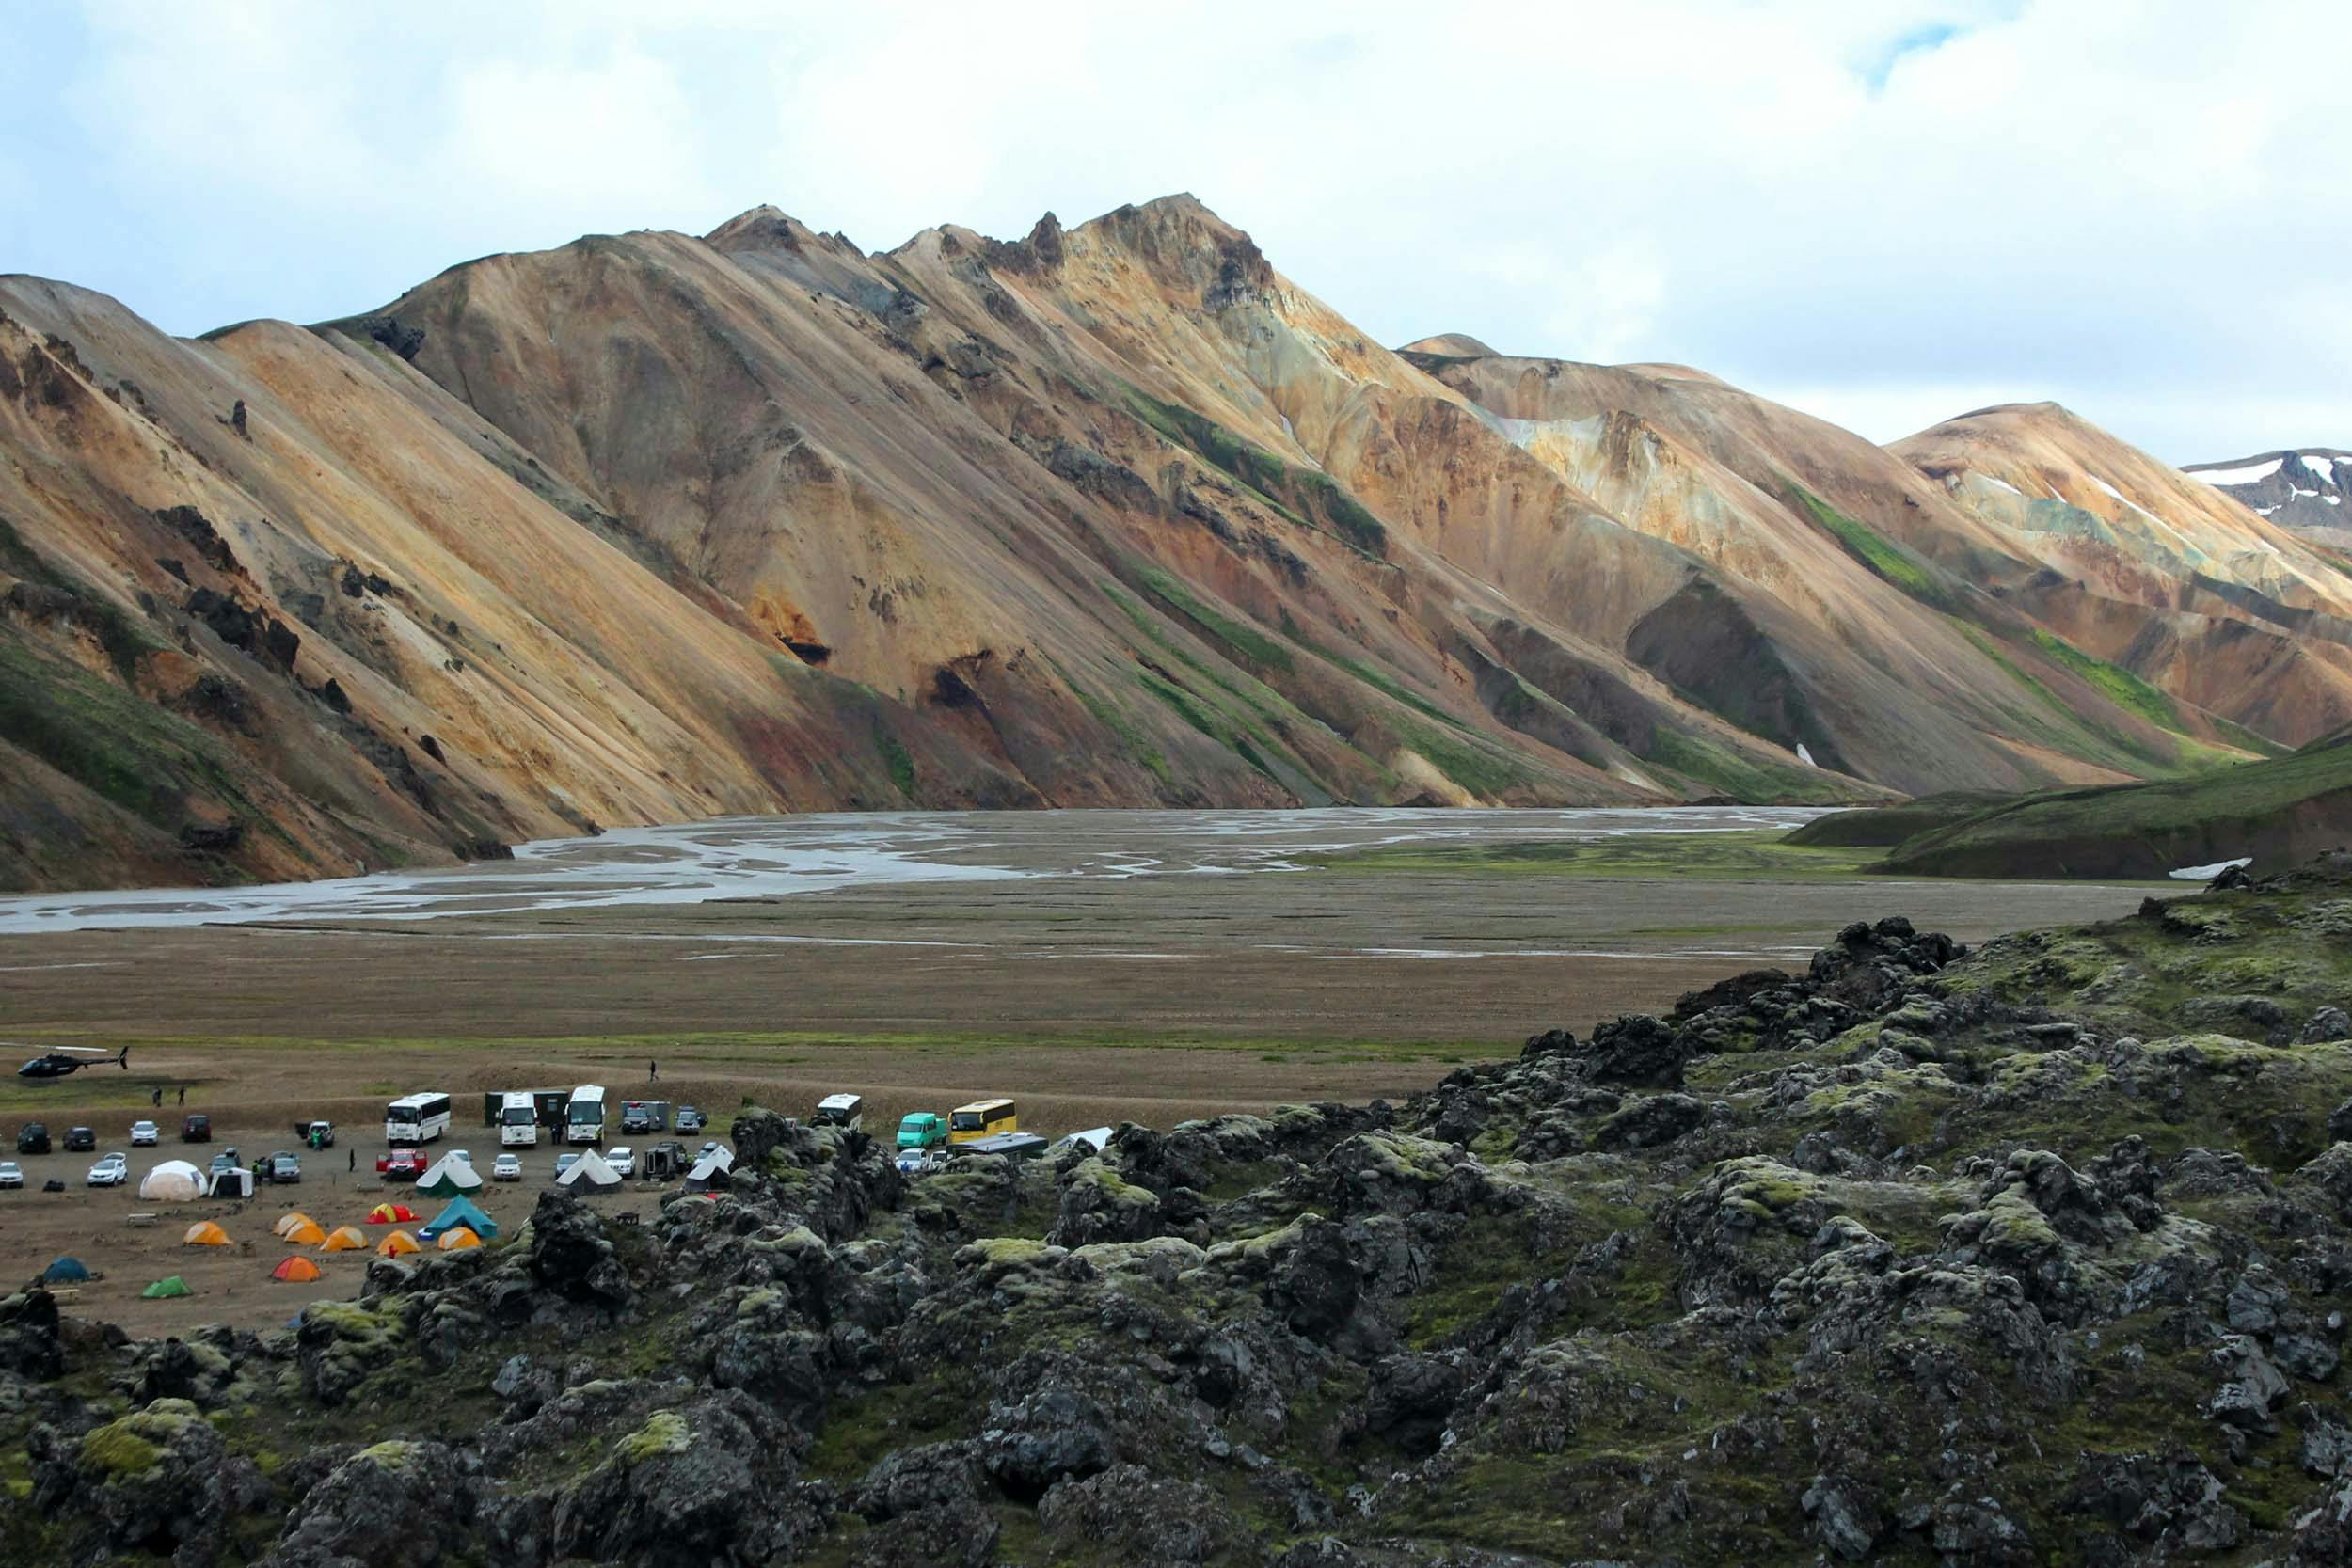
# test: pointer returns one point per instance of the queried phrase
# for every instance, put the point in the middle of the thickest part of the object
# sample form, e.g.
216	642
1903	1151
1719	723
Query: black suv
196	1130
80	1140
32	1139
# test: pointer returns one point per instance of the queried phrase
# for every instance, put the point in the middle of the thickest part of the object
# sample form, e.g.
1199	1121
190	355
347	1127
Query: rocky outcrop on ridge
1915	1255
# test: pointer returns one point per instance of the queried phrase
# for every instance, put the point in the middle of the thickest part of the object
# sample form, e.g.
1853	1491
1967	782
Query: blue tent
462	1211
65	1271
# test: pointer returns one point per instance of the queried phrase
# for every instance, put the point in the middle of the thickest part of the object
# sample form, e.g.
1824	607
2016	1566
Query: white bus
519	1120
583	1119
416	1118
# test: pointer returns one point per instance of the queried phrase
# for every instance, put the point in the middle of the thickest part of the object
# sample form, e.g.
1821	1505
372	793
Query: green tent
65	1271
464	1212
172	1285
450	1177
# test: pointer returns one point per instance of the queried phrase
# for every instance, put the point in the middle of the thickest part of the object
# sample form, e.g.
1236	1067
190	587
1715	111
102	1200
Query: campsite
232	1283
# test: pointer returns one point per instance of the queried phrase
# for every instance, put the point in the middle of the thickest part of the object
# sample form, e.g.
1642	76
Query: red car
400	1165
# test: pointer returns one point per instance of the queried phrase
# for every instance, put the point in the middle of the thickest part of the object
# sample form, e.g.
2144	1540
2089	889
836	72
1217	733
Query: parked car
225	1160
80	1140
315	1134
506	1167
400	1165
566	1161
144	1134
32	1139
196	1130
9	1175
283	1168
667	1159
713	1147
111	1171
462	1156
688	1120
623	1160
921	1162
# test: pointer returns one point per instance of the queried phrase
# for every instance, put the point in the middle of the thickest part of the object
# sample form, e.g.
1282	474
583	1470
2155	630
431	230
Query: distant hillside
2299	489
2279	813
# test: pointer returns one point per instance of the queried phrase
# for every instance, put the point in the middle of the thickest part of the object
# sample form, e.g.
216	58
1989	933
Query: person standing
653	1072
183	1094
351	1162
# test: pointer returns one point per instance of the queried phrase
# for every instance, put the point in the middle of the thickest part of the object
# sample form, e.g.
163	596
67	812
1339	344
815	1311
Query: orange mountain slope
651	527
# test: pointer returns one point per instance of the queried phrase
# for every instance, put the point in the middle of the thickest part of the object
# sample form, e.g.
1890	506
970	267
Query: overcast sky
1884	211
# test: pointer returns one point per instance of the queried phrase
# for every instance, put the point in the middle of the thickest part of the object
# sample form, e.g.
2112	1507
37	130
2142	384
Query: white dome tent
173	1181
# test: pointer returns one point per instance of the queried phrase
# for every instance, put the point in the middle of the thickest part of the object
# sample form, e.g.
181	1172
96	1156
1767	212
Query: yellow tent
398	1243
305	1234
457	1240
344	1238
291	1221
205	1233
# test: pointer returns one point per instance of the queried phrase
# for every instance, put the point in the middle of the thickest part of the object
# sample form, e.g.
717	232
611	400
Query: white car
9	1175
461	1156
623	1160
506	1167
144	1134
111	1171
566	1161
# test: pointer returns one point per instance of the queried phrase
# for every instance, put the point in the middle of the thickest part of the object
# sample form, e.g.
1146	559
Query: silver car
9	1175
111	1171
144	1134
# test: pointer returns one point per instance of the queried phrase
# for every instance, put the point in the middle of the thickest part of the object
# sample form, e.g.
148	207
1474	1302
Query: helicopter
69	1059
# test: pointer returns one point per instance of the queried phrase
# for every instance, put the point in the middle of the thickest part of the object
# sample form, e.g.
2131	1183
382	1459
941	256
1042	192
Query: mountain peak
1450	345
769	228
1188	249
2302	488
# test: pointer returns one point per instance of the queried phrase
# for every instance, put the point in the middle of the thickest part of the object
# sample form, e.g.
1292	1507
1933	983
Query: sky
1882	212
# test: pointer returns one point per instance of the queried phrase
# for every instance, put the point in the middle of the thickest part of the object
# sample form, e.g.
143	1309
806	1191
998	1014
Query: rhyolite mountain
652	527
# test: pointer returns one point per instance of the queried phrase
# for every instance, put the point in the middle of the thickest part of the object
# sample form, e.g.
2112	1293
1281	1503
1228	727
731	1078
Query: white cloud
1854	208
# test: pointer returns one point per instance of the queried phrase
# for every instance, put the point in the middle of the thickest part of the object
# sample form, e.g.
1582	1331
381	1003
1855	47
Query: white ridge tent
236	1182
173	1181
714	1170
590	1173
449	1177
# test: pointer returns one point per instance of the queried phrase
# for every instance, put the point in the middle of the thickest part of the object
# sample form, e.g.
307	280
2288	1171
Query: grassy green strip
2118	685
1746	856
1882	556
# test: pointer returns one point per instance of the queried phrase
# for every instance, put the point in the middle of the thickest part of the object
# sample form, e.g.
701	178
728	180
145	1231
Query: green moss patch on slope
1304	495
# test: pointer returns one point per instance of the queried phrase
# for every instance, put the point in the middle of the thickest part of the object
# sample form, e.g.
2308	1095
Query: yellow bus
982	1118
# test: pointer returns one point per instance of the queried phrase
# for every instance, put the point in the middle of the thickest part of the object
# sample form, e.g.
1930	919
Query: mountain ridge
661	524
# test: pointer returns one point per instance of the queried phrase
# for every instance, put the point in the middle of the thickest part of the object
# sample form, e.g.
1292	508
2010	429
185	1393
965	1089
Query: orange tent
399	1243
344	1238
205	1233
305	1234
457	1240
391	1213
296	1271
291	1221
